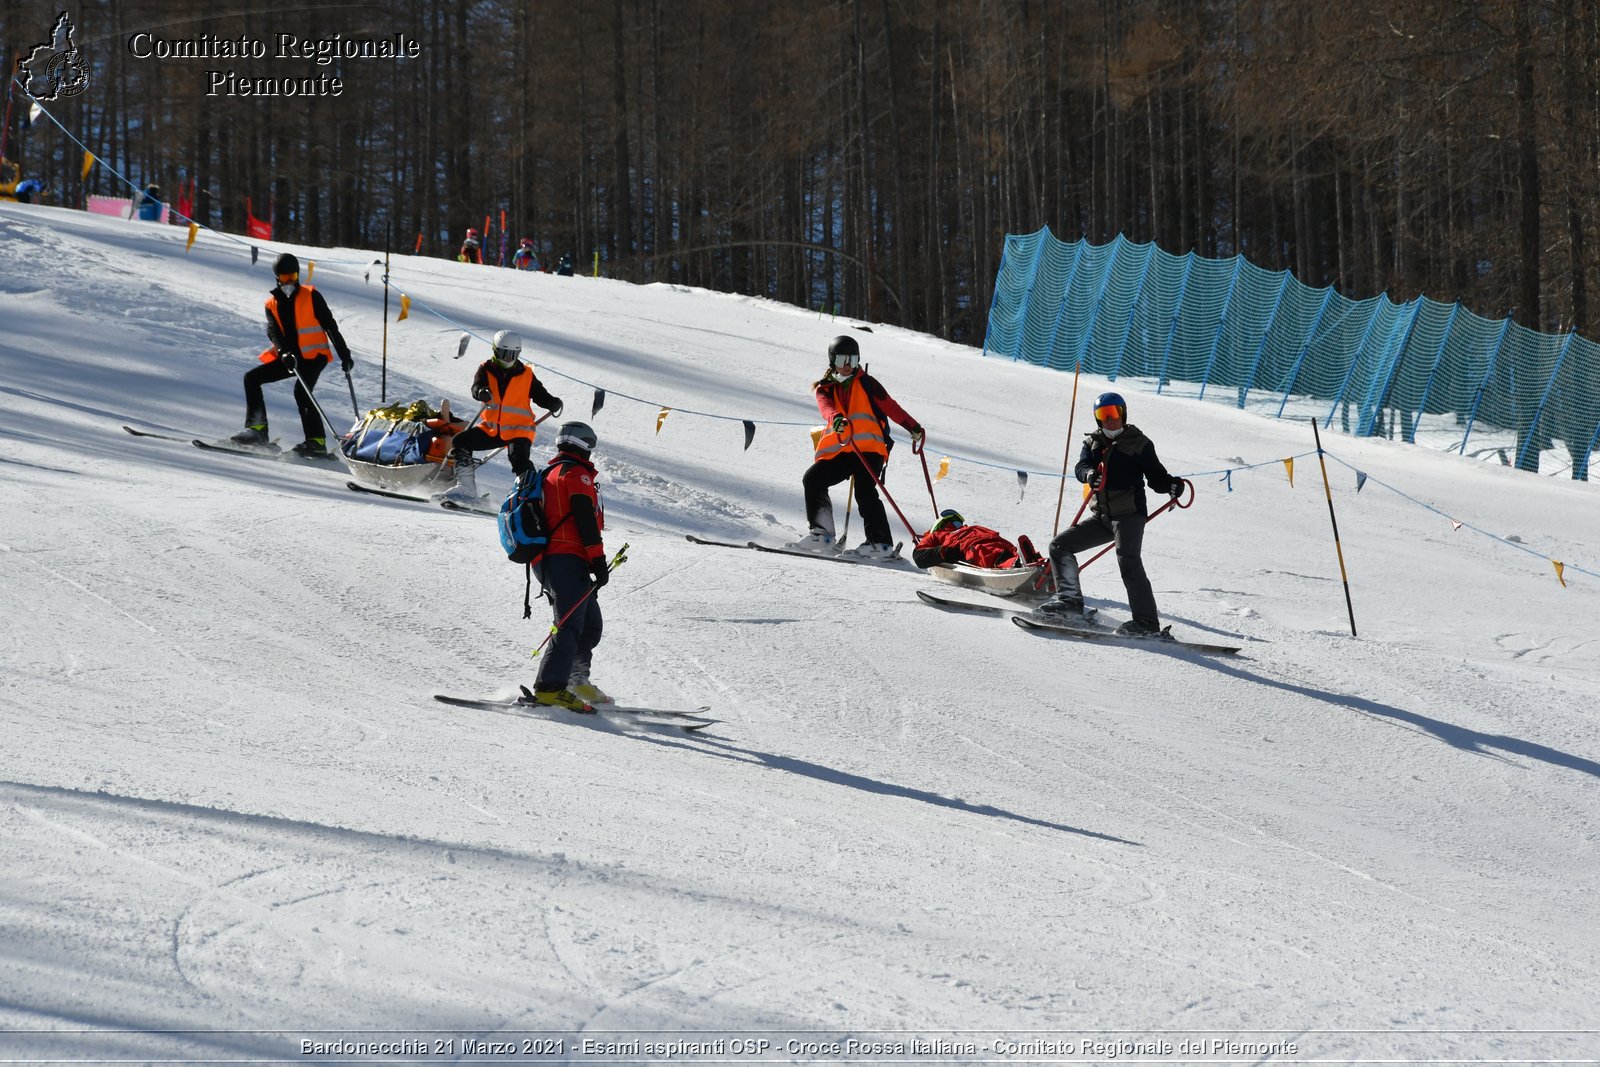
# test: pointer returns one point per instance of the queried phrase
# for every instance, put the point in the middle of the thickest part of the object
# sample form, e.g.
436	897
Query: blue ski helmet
1106	403
949	518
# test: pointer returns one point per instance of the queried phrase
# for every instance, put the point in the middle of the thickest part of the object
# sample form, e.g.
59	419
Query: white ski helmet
578	435
507	347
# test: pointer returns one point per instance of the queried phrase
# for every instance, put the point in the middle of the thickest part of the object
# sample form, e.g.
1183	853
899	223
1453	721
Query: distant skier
508	389
564	268
855	446
573	571
1116	461
951	540
304	338
150	204
524	257
471	249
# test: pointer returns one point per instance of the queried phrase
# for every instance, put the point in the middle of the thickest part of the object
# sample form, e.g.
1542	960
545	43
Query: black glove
917	434
345	362
1176	489
950	554
601	574
558	408
287	359
839	423
481	394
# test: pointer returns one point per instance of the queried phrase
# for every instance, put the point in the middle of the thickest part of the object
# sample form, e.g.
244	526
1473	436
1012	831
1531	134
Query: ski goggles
949	519
1106	411
287	278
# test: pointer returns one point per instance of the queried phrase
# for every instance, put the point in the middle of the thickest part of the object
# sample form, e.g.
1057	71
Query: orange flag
194	231
1288	465
1560	575
661	418
944	469
405	307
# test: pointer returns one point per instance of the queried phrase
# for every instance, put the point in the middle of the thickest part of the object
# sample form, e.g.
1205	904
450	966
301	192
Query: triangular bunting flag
88	165
34	112
1361	479
1560	577
311	269
599	402
749	433
1288	465
194	231
1454	525
1022	485
944	469
661	418
461	349
405	308
255	253
1227	476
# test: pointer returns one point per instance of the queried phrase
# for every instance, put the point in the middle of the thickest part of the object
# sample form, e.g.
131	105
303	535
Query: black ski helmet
286	264
1110	400
578	436
844	354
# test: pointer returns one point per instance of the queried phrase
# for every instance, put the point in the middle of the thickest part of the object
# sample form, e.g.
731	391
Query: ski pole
1066	456
1151	518
616	561
849	501
327	423
919	449
882	488
351	383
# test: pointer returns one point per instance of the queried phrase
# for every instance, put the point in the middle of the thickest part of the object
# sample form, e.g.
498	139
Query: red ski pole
616	561
918	449
1152	518
883	489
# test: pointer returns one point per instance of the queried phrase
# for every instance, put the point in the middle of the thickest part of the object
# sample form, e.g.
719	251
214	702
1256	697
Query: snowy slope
229	807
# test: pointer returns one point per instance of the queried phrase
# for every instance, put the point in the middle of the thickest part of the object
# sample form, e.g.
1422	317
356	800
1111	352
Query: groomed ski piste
234	819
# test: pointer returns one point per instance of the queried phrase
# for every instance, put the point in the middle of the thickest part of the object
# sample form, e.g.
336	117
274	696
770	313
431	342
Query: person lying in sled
951	540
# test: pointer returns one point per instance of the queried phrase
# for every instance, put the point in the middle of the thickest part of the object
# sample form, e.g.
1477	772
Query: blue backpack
523	532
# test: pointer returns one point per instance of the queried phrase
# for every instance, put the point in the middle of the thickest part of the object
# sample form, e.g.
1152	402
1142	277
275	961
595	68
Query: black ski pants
255	404
1128	533
566	579
476	439
826	473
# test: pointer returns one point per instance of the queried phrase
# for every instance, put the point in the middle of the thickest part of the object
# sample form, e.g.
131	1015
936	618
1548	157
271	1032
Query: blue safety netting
1227	330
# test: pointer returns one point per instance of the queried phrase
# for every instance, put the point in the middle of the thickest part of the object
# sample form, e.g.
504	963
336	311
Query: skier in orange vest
304	339
508	389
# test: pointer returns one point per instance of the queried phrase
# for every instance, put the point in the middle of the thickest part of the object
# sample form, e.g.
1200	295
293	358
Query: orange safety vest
863	429
313	340
510	416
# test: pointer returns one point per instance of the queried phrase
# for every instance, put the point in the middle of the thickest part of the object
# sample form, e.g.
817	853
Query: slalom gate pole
879	483
919	449
1343	576
1173	502
616	561
1066	455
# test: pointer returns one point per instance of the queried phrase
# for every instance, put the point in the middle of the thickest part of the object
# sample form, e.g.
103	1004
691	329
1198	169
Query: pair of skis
270	450
647	720
841	557
1034	622
450	505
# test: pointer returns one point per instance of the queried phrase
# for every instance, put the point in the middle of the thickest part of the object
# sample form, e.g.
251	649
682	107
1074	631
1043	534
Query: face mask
1113	434
287	288
842	375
